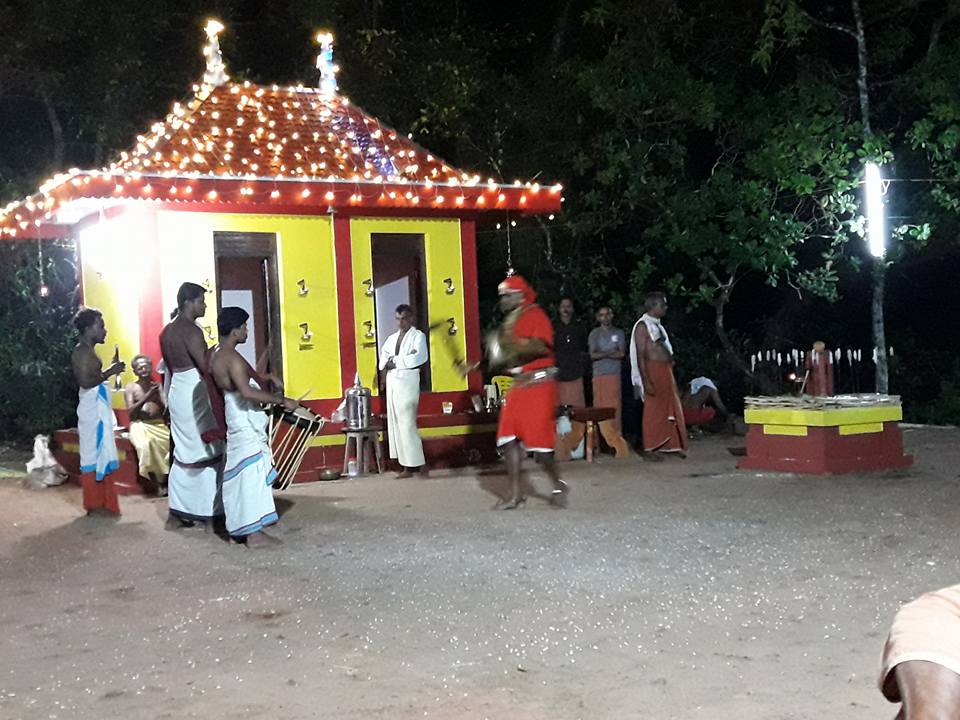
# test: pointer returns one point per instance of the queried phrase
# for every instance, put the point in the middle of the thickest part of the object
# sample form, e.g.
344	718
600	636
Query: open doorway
247	278
399	278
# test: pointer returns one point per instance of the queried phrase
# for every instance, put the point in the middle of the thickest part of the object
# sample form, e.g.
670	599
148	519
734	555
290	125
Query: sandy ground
678	590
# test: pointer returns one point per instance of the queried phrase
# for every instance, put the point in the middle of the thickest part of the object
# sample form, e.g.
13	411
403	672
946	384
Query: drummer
249	472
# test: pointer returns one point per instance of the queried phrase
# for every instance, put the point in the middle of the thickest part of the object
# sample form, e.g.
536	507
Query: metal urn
358	406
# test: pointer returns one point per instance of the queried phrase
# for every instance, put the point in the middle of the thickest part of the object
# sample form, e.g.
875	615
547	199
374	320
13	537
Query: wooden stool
362	439
587	421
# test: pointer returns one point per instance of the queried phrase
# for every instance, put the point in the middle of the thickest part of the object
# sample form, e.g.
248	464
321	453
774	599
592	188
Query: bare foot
561	494
404	474
175	523
511	504
260	541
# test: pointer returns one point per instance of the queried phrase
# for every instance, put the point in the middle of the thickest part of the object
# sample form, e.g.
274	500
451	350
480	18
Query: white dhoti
403	398
408	351
193	485
98	448
249	474
151	440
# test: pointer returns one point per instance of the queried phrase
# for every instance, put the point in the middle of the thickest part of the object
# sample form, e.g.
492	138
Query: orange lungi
606	393
663	425
97	495
926	629
570	392
529	415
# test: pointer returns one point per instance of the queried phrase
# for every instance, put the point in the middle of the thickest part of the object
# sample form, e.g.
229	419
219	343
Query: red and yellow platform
833	437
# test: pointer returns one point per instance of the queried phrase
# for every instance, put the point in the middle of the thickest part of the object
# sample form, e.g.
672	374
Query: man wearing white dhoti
401	357
249	473
193	484
98	448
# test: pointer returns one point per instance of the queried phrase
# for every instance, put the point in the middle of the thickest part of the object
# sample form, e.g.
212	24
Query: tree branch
829	25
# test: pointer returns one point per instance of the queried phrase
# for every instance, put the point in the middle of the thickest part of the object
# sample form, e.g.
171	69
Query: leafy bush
37	392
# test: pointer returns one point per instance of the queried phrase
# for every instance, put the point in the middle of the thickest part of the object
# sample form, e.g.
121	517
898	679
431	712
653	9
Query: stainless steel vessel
358	406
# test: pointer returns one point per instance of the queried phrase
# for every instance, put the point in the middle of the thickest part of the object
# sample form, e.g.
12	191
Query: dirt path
677	590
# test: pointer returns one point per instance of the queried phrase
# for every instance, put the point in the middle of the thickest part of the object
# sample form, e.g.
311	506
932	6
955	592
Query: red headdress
516	283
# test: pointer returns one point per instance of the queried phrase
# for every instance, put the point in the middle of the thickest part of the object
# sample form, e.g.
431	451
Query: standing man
401	357
651	366
570	344
528	419
98	448
197	462
249	474
608	346
149	434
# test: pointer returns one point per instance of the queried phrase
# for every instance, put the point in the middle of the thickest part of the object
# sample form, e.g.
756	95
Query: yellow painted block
456	430
861	429
304	252
824	418
431	432
443	261
328	440
794	430
364	310
185	242
112	285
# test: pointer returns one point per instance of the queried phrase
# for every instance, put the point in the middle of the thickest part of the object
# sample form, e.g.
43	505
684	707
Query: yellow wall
109	257
304	251
443	260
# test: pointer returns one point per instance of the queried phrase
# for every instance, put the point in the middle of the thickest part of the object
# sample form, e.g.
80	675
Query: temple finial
328	71
216	73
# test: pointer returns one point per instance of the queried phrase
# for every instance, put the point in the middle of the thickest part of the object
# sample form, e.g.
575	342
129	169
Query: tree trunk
56	131
560	31
765	385
879	337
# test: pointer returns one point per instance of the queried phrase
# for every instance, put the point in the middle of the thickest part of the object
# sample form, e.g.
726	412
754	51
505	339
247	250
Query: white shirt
410	356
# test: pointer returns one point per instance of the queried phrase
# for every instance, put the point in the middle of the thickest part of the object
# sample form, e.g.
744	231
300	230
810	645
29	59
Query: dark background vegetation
711	149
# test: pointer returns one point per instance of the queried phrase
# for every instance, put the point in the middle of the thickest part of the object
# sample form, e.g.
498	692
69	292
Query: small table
587	421
363	439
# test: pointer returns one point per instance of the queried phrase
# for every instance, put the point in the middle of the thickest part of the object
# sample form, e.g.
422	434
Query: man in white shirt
400	358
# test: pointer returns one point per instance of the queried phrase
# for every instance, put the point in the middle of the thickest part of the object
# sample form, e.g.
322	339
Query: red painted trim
269	196
345	310
471	301
151	295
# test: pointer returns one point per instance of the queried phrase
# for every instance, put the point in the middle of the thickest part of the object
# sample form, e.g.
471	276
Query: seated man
149	434
702	394
921	658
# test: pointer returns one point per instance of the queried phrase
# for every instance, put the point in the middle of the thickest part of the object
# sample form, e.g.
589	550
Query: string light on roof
216	73
328	70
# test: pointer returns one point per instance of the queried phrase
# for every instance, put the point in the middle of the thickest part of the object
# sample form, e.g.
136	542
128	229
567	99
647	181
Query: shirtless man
249	473
149	434
98	449
651	364
197	445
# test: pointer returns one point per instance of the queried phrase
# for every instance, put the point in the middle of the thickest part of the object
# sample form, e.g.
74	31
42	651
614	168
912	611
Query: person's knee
929	691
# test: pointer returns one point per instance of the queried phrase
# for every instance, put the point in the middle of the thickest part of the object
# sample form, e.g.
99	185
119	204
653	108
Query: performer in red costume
528	418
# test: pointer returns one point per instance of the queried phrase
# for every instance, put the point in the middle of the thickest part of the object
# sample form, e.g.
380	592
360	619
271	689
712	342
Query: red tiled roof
290	149
251	131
